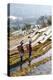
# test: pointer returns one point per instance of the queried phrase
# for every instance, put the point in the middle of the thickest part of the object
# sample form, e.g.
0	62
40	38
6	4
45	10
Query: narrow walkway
48	54
42	69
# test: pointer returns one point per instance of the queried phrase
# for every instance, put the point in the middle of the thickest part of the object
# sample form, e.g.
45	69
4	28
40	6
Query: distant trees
44	21
14	28
49	20
26	27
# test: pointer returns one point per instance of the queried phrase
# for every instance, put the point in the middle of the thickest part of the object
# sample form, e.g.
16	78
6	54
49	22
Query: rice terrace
30	40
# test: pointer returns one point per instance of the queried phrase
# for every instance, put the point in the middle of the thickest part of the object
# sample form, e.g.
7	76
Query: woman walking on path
30	50
21	53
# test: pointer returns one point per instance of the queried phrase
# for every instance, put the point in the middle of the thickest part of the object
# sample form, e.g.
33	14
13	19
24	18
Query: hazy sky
26	10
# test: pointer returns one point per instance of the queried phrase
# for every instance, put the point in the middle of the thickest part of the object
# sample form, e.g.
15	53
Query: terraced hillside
41	52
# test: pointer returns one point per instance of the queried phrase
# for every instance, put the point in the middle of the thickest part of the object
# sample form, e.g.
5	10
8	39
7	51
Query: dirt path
41	69
48	54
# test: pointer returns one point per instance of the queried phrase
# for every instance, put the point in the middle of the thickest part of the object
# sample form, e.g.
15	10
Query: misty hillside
25	23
